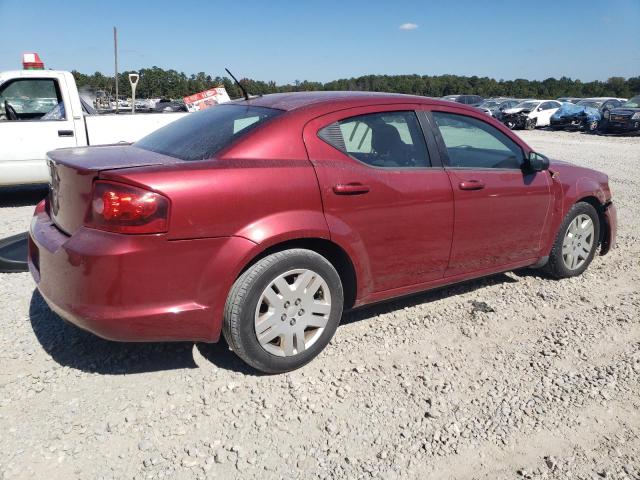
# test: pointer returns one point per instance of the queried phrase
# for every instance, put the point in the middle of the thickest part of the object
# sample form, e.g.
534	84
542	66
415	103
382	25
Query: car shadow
72	347
220	355
23	195
370	311
75	348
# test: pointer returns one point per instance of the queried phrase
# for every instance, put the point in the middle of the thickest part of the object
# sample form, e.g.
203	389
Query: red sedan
264	219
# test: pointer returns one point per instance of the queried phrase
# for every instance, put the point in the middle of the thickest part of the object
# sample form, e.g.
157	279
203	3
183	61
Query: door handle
350	189
65	133
471	185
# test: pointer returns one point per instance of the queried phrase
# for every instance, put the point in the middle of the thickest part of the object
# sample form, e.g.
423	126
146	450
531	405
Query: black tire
556	266
238	327
530	123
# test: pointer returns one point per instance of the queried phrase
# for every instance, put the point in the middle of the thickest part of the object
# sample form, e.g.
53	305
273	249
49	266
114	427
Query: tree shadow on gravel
23	195
412	300
72	347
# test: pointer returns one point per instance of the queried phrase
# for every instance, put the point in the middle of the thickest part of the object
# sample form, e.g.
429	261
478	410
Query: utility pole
115	51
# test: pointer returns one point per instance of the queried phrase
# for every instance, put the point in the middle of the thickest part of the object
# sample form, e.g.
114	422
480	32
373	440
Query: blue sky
325	40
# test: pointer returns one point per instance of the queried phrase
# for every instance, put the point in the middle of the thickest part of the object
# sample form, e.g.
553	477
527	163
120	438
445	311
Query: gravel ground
513	376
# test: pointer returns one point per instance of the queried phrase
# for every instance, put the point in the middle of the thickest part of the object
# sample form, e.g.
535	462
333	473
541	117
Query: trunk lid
73	170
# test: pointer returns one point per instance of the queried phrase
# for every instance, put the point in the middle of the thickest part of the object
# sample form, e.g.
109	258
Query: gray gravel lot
514	376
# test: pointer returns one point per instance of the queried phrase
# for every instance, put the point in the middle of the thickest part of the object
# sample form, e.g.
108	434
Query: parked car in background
625	118
166	105
473	100
569	99
530	114
496	106
587	114
263	219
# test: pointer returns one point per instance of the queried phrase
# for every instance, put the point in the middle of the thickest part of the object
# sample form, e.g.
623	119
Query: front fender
588	187
609	237
567	191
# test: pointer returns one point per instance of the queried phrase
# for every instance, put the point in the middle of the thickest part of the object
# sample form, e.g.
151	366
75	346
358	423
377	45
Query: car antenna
244	92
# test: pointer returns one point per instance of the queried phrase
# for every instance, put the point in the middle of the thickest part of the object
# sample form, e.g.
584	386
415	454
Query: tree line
156	82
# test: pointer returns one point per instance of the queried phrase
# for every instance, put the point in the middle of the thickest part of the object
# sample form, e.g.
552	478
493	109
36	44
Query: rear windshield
589	103
200	135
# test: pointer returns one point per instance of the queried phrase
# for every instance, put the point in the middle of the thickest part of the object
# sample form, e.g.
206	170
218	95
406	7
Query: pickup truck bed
28	131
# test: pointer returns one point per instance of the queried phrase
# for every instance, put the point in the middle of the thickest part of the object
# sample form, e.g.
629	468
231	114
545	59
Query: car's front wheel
576	243
283	310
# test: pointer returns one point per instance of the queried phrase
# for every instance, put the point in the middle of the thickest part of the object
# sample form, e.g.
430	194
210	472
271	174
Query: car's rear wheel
283	310
576	242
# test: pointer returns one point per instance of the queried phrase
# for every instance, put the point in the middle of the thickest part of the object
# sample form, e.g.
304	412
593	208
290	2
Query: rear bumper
609	238
135	287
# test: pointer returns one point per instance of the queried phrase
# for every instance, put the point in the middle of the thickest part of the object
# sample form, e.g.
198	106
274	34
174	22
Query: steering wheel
10	111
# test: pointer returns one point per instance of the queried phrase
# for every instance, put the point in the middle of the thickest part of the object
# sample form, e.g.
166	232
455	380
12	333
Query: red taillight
121	208
41	207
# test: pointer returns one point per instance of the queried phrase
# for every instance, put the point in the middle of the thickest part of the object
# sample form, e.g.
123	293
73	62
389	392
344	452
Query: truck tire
283	310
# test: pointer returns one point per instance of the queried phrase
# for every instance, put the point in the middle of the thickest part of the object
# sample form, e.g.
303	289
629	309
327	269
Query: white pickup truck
41	110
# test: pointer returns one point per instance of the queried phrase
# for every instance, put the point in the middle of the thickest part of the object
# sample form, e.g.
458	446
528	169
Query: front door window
31	99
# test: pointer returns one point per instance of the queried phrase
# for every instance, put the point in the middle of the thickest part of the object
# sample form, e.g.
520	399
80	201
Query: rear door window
385	139
473	144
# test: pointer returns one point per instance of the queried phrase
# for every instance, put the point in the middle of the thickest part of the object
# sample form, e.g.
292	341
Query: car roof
601	99
12	74
300	100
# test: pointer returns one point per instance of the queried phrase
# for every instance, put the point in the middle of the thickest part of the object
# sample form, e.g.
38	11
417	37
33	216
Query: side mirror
536	162
539	109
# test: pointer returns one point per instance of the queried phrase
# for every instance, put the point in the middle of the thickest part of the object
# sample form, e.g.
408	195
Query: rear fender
305	224
282	226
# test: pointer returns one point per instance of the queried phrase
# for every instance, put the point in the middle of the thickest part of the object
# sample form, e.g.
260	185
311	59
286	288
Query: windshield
527	105
589	103
200	135
491	104
632	103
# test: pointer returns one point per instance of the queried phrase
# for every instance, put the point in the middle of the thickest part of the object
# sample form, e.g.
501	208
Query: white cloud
408	26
